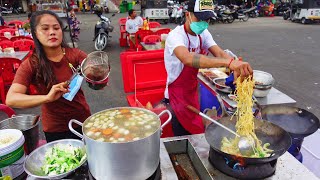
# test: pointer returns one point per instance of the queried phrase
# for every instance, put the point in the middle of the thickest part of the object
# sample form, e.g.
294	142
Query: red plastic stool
123	42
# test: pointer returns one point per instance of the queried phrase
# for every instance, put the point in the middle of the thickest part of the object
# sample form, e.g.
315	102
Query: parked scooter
101	31
286	14
177	15
239	13
253	12
224	14
279	10
214	18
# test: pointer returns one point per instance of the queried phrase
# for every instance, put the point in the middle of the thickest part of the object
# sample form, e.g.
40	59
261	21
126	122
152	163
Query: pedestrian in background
84	6
1	18
39	6
74	25
89	5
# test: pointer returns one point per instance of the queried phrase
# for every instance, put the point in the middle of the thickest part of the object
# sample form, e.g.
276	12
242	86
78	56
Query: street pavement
289	51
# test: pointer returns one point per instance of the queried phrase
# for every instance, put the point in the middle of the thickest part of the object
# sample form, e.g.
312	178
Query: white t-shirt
132	25
178	37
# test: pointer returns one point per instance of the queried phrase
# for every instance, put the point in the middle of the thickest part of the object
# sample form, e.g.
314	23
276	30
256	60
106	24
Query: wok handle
168	120
74	131
193	109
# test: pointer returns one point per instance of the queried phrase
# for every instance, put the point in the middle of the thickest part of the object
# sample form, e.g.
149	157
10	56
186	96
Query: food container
11	153
263	83
163	40
29	130
35	160
134	160
219	83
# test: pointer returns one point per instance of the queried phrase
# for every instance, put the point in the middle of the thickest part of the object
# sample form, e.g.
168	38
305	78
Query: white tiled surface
312	143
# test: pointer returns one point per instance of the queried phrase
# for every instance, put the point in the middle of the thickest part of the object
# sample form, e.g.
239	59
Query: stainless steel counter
196	146
288	168
274	97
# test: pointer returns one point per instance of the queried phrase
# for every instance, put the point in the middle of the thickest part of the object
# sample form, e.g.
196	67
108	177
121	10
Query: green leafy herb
62	158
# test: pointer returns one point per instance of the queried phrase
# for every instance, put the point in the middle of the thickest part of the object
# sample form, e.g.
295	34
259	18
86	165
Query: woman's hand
57	91
240	68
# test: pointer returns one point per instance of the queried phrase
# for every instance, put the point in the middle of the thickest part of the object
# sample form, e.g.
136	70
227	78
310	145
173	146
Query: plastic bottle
21	31
145	24
147	28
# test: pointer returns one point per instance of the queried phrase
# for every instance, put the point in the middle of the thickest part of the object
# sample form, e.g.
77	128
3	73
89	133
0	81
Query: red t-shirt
56	115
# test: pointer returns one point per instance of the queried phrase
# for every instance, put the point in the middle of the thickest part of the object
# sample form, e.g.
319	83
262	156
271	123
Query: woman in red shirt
48	69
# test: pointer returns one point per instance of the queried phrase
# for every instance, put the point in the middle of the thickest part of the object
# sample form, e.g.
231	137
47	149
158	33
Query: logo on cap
205	5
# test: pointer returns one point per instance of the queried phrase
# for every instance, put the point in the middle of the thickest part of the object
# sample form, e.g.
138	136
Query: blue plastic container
208	100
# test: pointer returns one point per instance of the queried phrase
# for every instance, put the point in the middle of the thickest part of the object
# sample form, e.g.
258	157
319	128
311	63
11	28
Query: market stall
197	149
133	142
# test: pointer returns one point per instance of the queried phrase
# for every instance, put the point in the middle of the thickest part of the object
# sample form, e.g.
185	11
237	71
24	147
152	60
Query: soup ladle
245	145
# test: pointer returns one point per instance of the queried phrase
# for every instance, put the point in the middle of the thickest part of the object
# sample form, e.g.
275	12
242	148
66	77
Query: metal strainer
96	69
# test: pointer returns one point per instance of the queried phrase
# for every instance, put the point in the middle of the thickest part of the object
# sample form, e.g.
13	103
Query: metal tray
183	146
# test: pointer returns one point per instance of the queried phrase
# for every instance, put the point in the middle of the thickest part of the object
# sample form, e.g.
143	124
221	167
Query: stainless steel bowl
263	79
264	82
220	85
35	160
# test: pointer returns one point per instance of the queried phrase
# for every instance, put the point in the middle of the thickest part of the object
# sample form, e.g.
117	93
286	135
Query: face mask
198	27
74	87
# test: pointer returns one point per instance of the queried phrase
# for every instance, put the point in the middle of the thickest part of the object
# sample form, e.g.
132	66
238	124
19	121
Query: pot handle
74	131
168	120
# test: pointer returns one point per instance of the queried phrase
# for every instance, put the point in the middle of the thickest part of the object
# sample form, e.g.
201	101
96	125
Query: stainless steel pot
134	160
30	131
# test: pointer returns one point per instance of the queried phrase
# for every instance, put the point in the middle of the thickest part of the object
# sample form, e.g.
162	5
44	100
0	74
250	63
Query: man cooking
185	52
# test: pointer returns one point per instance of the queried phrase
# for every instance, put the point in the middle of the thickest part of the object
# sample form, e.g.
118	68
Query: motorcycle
239	13
279	10
177	15
17	10
214	18
101	32
223	14
253	12
286	14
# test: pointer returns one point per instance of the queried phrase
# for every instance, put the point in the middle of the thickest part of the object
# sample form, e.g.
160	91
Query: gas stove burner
84	174
237	169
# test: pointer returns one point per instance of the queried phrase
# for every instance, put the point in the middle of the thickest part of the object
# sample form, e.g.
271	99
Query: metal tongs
246	146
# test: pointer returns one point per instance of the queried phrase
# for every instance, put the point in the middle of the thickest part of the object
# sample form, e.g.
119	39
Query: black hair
130	12
39	60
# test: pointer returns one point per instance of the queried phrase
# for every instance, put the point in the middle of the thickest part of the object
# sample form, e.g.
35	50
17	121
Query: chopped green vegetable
62	158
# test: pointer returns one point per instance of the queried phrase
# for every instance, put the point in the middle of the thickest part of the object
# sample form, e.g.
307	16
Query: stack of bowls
263	83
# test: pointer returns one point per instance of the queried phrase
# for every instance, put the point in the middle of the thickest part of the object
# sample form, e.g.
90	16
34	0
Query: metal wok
298	122
279	139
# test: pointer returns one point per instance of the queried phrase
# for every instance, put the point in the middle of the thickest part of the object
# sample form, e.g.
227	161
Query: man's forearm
201	61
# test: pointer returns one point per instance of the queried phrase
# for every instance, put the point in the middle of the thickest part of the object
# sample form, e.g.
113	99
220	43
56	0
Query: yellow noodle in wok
245	122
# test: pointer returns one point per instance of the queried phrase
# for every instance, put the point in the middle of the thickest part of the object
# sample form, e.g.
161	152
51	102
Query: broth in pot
121	125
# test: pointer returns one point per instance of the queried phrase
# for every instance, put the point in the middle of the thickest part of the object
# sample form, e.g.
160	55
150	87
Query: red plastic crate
144	78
